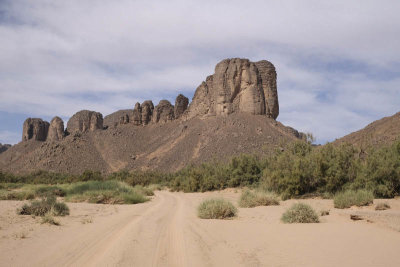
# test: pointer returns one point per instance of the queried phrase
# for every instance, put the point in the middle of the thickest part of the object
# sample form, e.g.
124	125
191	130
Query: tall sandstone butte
85	120
238	85
56	130
36	129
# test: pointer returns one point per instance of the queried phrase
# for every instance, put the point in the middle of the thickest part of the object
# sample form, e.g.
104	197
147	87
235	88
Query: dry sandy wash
167	232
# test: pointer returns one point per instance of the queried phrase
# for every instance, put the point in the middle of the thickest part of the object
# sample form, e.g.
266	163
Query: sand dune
167	232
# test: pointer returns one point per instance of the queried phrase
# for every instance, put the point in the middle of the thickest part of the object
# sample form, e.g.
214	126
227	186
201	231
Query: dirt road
167	232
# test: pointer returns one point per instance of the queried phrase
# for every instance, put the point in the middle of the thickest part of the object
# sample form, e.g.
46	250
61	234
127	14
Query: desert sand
166	232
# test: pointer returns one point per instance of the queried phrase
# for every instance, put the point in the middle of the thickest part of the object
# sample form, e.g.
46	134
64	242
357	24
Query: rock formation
56	129
147	111
85	120
124	119
238	85
36	129
163	112
181	104
137	115
268	81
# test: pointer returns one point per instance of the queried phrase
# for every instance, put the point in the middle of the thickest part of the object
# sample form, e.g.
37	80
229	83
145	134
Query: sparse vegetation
87	220
216	208
300	213
48	218
324	213
107	192
250	199
48	204
293	171
382	206
349	198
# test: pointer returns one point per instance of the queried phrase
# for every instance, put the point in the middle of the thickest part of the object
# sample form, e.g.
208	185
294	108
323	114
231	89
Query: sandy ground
167	232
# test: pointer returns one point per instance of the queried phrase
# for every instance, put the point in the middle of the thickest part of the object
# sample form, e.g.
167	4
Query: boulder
181	104
137	115
85	120
147	111
56	129
36	129
163	112
238	85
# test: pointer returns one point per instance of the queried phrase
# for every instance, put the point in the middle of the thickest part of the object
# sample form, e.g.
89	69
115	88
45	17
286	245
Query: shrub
382	206
349	198
143	190
134	198
107	192
16	195
60	209
44	206
47	218
250	199
324	212
50	190
300	213
216	208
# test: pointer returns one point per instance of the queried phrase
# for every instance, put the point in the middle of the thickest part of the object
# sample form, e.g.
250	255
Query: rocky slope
4	147
377	133
232	112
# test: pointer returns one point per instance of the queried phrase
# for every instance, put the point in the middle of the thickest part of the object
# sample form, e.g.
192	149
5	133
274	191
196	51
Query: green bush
349	198
60	209
47	218
50	190
143	190
107	192
300	213
16	195
216	208
249	199
44	206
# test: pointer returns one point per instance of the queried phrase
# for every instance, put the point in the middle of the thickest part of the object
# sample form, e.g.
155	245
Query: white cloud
57	57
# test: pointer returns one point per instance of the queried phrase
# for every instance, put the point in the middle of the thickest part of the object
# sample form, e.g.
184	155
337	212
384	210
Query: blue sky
337	61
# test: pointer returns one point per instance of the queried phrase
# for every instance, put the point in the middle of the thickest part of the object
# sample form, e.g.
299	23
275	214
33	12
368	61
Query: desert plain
167	232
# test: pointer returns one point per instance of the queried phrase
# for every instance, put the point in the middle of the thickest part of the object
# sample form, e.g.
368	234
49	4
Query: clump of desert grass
300	213
49	219
349	198
382	206
251	199
107	192
216	208
16	195
47	205
45	190
324	213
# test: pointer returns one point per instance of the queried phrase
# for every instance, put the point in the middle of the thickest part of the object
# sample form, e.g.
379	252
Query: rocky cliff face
163	112
56	130
181	104
85	120
36	129
216	124
238	85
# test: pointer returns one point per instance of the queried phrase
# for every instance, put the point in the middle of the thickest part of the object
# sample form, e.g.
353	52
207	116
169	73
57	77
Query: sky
338	62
